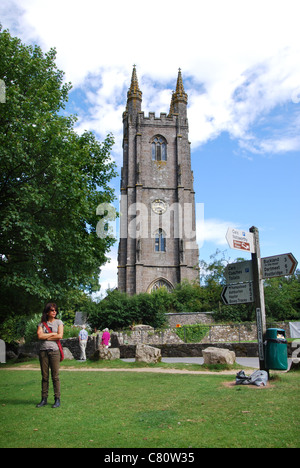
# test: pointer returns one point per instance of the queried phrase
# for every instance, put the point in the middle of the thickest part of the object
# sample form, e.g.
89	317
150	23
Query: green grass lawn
147	410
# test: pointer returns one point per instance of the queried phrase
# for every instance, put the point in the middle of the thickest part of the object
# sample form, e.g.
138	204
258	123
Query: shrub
192	333
31	328
118	310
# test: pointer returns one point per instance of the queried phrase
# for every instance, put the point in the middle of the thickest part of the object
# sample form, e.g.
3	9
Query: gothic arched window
159	148
160	241
160	283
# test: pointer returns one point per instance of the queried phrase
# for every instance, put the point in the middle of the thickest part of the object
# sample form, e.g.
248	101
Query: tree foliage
118	310
282	297
51	182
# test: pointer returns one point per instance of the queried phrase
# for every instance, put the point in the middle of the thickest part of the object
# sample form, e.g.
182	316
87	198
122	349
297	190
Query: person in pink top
105	338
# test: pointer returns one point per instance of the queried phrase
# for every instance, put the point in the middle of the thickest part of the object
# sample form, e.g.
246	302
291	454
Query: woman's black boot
56	403
42	403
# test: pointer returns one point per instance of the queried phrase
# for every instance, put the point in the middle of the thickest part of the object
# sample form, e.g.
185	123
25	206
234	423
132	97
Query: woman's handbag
62	356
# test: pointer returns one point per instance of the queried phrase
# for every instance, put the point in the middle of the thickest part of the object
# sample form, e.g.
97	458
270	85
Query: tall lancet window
160	241
159	149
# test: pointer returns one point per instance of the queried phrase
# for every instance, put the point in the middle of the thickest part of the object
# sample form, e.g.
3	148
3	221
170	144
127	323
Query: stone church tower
157	228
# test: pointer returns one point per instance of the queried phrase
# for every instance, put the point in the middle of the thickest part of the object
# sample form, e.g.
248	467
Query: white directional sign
240	293
239	272
278	265
240	240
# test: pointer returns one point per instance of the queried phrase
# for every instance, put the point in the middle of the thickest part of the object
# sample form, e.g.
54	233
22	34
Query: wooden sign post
259	298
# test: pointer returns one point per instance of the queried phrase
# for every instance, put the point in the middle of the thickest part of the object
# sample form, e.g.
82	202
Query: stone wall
189	318
232	337
146	335
167	350
216	334
195	349
231	333
71	343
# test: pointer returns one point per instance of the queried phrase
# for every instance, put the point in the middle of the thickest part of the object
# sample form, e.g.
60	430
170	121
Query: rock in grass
148	354
213	355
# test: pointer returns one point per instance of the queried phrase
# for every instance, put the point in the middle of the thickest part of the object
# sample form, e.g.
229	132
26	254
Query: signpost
279	265
260	336
245	279
240	293
240	240
259	298
240	272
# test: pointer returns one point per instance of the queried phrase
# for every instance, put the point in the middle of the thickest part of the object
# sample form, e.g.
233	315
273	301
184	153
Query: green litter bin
276	356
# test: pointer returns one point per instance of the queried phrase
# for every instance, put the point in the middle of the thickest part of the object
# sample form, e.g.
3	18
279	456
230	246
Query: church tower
158	227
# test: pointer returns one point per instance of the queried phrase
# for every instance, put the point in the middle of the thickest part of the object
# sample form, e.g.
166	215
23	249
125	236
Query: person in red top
105	338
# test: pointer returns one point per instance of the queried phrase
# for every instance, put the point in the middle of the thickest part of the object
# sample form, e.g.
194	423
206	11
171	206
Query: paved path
246	362
252	363
155	370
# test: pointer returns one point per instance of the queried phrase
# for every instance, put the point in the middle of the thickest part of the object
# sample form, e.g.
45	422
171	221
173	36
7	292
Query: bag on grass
258	378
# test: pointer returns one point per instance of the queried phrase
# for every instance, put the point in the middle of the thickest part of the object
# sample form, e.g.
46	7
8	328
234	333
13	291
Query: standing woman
105	338
49	331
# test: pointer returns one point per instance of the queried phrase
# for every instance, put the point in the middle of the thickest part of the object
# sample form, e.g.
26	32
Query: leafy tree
150	309
282	297
118	310
113	312
51	182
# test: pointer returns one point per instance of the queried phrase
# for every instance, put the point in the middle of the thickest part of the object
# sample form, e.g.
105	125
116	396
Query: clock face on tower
159	206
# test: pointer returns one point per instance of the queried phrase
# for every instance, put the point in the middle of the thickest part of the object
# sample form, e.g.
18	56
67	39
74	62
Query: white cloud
240	59
109	274
271	146
213	230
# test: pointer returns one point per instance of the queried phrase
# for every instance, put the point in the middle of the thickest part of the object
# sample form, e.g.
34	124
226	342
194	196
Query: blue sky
240	62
